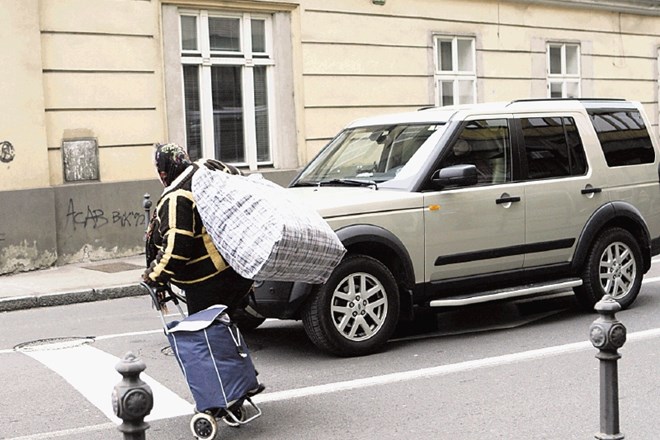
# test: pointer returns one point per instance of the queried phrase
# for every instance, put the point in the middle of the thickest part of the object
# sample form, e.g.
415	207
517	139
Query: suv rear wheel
614	267
355	312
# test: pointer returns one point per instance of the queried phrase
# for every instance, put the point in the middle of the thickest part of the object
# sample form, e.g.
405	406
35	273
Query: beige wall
103	80
21	97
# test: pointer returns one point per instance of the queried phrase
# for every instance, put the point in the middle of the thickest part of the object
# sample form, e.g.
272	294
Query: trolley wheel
204	426
239	412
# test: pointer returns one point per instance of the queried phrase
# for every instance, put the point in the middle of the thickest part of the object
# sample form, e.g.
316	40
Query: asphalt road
507	371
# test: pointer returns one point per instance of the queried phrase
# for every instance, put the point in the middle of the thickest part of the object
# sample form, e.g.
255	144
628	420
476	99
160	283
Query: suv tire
614	267
356	311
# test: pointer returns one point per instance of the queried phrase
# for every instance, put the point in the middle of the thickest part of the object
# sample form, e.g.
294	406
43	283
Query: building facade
90	85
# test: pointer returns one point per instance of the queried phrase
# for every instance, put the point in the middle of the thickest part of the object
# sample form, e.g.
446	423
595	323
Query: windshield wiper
349	182
306	183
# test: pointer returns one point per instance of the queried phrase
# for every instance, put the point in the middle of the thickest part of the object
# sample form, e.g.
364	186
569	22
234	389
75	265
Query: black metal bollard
146	204
608	334
132	399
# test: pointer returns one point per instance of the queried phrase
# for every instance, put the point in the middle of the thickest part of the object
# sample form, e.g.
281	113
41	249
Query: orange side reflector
434	207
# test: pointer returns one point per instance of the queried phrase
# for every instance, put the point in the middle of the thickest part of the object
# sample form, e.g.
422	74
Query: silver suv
451	206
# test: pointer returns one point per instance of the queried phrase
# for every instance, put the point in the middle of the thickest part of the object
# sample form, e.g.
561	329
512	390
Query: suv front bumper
279	299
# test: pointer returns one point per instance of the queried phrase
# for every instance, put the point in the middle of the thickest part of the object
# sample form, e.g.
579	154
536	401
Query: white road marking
280	396
442	370
92	373
66	432
650	280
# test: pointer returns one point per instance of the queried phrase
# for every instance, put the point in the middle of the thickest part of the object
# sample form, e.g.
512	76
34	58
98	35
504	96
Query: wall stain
25	257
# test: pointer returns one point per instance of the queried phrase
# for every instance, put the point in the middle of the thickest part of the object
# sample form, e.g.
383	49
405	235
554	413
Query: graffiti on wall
96	218
7	152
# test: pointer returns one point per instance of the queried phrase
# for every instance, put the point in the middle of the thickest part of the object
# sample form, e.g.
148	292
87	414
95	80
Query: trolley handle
161	295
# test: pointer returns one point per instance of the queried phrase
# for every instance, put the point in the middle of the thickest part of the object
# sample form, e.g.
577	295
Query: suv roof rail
566	99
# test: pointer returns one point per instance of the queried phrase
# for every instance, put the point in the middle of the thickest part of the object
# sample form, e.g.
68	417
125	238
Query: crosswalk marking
76	365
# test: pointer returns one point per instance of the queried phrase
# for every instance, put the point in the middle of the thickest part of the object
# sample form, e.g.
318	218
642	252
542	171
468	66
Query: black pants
227	288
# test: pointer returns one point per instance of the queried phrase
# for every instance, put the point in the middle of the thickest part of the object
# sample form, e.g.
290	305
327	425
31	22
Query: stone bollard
132	398
608	334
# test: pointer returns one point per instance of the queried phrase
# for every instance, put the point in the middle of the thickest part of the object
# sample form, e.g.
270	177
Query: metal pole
146	204
608	334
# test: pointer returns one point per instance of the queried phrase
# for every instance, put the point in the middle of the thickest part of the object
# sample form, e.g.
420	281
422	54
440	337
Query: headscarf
171	160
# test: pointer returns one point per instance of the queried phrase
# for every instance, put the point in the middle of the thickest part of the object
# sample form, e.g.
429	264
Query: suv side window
485	144
623	137
553	148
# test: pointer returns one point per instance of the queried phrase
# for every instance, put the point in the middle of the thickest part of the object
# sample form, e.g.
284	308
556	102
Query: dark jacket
186	255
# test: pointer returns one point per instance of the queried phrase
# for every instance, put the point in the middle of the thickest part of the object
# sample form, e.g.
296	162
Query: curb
66	298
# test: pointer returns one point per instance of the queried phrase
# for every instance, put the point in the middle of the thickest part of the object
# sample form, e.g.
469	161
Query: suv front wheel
613	267
355	312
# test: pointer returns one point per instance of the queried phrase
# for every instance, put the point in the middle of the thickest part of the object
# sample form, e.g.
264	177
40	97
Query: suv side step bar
503	294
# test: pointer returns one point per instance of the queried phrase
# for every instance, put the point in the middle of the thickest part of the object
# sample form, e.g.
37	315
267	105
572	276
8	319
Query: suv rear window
623	137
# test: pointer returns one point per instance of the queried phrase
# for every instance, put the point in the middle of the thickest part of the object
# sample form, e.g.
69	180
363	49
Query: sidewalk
72	283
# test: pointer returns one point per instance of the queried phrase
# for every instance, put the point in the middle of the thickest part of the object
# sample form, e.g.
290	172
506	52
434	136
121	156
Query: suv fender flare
356	234
616	212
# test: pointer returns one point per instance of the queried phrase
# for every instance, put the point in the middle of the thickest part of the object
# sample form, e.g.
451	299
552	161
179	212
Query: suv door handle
591	190
507	199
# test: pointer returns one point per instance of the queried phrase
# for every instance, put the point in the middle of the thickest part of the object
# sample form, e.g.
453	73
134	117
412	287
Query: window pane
224	34
188	32
545	148
446	89
572	60
192	105
261	117
258	36
485	144
555	59
465	92
444	56
227	113
623	137
556	90
465	61
572	89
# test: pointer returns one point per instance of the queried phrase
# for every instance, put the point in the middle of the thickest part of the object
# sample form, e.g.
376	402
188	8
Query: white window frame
563	78
206	59
455	76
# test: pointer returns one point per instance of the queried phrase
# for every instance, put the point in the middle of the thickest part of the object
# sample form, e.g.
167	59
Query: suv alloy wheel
613	267
356	310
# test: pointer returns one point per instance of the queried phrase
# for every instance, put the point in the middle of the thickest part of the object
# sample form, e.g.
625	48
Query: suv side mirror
456	175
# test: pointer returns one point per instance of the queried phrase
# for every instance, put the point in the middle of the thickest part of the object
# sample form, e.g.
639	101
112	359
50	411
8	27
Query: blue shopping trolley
215	362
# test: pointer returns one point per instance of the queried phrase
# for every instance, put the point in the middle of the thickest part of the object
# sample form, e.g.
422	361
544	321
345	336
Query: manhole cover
54	343
114	267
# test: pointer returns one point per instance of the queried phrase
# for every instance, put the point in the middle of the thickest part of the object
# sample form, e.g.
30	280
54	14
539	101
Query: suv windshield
366	155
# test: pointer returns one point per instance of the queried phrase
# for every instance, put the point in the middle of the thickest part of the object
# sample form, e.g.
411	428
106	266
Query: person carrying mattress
178	248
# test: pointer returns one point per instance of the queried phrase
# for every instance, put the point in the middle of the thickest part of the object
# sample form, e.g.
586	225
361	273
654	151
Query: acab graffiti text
96	218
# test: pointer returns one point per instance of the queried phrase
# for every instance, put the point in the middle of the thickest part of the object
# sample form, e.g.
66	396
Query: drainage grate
114	267
55	343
